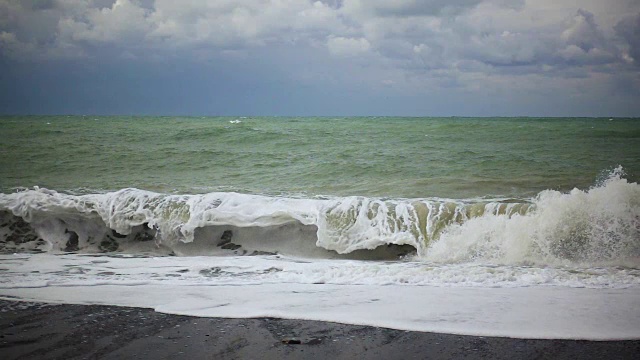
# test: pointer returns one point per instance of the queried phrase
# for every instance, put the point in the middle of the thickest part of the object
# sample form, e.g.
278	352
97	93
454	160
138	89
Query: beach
31	330
325	179
499	232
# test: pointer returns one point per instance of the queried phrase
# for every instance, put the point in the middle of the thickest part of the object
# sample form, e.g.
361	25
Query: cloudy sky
330	57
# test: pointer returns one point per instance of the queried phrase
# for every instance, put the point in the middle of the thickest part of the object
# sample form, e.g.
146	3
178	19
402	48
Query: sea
519	227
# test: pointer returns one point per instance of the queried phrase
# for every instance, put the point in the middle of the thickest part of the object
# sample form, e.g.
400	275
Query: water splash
599	225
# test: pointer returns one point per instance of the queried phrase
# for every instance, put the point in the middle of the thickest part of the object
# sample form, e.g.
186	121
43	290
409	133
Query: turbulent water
479	202
456	158
502	189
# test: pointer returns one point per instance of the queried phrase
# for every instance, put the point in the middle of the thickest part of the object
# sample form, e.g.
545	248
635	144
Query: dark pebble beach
45	331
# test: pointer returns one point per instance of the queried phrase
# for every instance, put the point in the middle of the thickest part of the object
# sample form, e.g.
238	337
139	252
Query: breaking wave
597	225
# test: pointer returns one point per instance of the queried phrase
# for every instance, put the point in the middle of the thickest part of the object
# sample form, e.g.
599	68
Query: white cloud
238	23
451	42
347	47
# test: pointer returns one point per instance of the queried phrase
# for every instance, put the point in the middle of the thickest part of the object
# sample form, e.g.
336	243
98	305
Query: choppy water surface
381	157
358	206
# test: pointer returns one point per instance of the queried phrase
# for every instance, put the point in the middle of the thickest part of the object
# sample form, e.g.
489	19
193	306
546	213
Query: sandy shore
43	331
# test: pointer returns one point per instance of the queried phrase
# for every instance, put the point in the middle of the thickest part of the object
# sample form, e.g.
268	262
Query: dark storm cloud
629	30
386	48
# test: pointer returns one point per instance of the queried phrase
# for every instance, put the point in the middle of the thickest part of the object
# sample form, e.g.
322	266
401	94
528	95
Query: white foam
596	226
277	269
369	293
361	223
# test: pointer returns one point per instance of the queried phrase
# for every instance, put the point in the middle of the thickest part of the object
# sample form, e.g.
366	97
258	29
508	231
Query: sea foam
597	225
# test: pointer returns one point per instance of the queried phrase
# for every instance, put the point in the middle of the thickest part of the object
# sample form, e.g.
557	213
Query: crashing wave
601	224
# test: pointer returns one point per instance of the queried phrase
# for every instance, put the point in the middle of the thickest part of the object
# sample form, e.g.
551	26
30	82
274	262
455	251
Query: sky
321	58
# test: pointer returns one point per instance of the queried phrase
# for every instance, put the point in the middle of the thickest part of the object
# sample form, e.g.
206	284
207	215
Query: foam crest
599	225
107	222
132	214
355	223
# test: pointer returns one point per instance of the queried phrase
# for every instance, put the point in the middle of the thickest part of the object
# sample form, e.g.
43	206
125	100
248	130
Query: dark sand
41	331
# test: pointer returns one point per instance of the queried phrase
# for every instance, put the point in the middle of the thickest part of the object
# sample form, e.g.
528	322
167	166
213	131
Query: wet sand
44	331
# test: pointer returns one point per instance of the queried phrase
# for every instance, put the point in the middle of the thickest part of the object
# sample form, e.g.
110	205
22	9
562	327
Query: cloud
495	32
629	30
347	47
9	45
583	32
406	8
584	43
228	23
123	23
166	24
418	46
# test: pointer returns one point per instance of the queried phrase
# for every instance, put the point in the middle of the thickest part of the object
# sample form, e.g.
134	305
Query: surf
597	225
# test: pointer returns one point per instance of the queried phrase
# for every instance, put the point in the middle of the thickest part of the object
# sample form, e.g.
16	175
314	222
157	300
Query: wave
597	225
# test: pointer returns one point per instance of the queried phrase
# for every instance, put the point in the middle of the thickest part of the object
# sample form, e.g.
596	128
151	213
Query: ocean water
533	223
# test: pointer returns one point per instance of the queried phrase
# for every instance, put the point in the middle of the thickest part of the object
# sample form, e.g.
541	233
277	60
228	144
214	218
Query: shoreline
52	331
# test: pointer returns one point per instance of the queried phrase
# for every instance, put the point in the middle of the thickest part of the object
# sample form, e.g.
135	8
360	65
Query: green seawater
388	157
